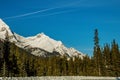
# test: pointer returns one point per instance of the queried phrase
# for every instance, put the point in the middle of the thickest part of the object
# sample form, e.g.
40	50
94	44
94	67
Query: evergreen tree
6	55
106	60
114	58
15	61
97	54
1	57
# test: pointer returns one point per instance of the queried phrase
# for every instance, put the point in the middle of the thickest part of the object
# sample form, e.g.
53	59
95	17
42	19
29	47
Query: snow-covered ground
61	78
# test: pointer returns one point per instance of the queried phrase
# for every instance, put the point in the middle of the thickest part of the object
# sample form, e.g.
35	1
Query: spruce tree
97	55
6	55
106	60
114	58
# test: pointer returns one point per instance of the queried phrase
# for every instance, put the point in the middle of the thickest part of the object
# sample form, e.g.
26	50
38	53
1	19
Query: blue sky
71	21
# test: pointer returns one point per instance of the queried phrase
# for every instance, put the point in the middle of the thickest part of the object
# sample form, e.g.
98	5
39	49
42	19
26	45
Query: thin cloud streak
74	4
44	10
27	14
57	13
51	14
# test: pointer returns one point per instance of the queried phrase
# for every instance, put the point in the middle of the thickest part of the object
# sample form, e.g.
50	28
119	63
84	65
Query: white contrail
60	12
27	14
44	10
50	14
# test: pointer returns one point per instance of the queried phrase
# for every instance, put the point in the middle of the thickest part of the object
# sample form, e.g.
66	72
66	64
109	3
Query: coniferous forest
15	61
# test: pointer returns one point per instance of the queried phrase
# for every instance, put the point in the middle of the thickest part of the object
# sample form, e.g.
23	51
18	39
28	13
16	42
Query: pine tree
97	54
1	57
106	60
6	55
4	70
115	58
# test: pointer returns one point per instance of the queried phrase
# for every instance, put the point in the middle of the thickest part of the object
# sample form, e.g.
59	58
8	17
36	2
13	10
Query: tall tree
96	39
6	55
115	58
97	55
1	57
106	60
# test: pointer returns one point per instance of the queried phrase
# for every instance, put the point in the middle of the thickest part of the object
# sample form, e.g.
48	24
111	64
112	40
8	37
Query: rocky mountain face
38	45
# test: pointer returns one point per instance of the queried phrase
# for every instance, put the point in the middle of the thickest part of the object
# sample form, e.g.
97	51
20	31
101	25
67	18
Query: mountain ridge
38	43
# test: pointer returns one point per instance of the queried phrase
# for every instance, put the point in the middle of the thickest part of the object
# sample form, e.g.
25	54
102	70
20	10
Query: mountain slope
39	45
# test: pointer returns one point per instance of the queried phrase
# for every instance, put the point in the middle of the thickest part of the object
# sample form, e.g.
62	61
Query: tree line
15	61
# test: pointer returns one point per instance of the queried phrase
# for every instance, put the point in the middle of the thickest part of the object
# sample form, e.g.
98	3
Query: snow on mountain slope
5	29
42	41
39	45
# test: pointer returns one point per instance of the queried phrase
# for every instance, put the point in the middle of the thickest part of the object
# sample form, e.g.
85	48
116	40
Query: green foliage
15	61
106	60
97	54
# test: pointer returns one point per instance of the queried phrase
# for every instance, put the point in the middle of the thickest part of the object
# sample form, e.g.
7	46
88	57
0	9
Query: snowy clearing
61	78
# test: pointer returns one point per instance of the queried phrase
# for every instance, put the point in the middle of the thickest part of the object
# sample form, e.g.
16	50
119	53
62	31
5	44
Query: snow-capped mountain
38	45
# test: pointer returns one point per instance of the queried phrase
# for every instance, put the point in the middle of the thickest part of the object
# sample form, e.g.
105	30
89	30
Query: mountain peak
41	35
38	44
4	26
4	29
